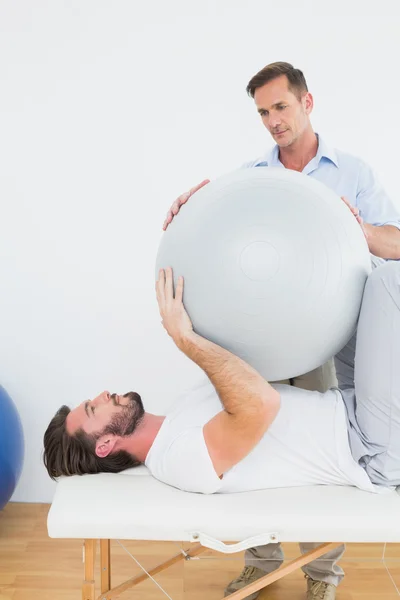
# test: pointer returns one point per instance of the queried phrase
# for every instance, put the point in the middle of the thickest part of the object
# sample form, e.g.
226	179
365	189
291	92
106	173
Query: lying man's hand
183	198
174	316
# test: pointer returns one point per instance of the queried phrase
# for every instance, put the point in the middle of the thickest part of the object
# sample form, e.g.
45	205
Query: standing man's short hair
295	77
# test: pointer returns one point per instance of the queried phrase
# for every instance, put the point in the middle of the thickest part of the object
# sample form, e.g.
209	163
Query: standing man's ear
105	445
308	102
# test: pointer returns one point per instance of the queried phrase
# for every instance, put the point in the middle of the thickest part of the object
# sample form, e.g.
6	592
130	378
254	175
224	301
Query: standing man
284	104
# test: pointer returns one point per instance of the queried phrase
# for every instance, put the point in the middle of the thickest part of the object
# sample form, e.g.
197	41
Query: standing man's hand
183	198
357	215
174	316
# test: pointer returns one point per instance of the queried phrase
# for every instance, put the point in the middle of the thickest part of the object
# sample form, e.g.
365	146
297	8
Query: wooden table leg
105	565
89	557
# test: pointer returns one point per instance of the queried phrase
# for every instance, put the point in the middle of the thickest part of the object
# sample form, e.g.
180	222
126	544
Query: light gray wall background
109	110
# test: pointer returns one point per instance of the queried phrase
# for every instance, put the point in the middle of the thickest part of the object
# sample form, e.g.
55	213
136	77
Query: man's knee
386	278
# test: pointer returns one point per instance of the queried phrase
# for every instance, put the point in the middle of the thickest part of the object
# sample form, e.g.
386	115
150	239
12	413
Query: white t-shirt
307	444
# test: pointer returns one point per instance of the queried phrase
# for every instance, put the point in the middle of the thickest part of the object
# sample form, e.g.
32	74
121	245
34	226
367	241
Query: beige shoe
248	575
320	590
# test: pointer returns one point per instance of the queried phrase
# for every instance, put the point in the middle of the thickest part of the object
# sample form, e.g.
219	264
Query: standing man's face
283	114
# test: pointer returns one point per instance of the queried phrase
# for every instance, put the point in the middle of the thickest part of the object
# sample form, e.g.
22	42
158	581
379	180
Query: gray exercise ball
274	265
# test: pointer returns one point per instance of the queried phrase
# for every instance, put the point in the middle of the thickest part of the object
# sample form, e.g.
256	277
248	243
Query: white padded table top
136	506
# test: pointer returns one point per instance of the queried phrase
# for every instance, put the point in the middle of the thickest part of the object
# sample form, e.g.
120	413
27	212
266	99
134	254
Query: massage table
134	506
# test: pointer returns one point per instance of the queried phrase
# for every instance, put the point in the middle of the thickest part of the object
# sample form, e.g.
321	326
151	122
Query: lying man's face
106	414
91	437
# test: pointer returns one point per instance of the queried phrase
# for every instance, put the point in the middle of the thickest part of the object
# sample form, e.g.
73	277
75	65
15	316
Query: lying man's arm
250	402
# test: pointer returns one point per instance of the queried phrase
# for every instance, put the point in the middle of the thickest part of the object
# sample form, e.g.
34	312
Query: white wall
110	109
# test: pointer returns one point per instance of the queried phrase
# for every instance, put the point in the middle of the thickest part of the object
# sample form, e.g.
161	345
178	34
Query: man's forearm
240	387
383	241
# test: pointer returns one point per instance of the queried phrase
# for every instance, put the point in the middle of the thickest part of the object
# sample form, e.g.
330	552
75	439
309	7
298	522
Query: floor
34	567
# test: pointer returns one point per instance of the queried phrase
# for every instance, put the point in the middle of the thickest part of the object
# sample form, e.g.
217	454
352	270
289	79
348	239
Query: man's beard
125	422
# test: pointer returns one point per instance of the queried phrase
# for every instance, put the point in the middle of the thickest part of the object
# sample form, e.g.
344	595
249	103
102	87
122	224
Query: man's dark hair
296	80
66	454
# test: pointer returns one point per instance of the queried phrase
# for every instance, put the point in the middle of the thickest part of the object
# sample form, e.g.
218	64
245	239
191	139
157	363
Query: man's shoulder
261	161
348	160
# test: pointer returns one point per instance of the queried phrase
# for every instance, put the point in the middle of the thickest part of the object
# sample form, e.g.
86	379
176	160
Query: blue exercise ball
11	447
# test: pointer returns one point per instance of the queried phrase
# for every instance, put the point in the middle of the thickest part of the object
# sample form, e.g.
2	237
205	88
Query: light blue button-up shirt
348	176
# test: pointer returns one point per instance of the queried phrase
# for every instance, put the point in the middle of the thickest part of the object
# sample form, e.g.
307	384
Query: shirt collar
271	158
325	151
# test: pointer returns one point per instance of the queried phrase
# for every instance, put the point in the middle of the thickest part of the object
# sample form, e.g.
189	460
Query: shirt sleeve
186	464
376	208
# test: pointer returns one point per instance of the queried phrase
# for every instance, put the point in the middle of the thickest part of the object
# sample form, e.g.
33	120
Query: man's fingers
183	198
168	220
178	203
160	288
169	284
347	203
179	289
199	186
355	211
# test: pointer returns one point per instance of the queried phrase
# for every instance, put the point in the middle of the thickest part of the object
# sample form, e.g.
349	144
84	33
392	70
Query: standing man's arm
250	403
380	216
383	240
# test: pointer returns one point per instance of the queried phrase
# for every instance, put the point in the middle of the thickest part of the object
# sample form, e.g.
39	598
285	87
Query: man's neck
139	443
298	155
